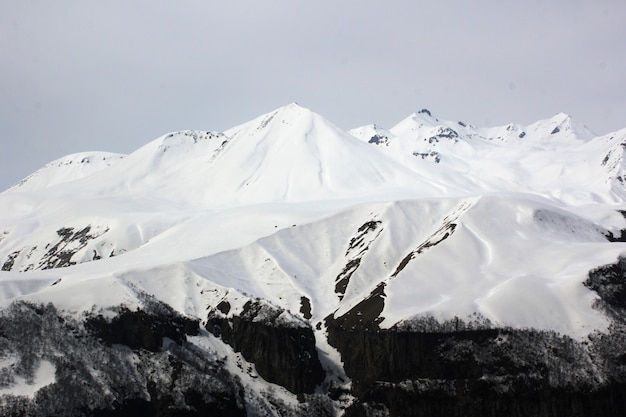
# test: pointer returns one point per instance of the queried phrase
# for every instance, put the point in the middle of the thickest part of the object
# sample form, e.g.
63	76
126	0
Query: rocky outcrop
457	368
488	372
142	330
62	250
609	282
281	347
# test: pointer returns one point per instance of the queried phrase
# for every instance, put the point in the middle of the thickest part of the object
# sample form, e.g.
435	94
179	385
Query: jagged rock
379	140
283	353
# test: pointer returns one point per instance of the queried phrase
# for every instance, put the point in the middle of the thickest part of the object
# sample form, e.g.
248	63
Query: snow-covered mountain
555	158
287	228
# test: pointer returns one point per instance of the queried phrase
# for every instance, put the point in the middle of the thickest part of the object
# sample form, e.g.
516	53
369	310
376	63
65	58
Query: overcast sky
113	75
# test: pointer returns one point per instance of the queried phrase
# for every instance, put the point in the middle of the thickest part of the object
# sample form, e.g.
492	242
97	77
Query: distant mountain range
288	267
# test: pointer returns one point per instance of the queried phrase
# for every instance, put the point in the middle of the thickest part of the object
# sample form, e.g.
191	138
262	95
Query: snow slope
192	195
556	158
68	168
435	218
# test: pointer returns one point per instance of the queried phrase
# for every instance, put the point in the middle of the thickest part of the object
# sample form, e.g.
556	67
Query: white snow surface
68	168
492	221
43	375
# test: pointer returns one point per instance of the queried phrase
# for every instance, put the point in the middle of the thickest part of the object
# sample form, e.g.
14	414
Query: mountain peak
563	123
286	115
291	108
424	115
294	110
293	105
562	117
423	125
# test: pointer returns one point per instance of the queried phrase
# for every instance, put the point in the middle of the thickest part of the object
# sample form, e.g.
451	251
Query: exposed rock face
283	351
60	252
359	244
488	372
379	140
141	330
455	368
609	282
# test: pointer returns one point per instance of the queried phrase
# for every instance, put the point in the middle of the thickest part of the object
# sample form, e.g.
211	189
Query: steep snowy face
560	128
289	155
613	147
512	261
293	154
507	260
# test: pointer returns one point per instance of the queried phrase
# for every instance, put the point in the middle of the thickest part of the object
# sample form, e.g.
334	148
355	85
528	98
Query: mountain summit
287	267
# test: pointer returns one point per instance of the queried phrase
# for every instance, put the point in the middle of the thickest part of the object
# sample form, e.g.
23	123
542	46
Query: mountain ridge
304	264
293	109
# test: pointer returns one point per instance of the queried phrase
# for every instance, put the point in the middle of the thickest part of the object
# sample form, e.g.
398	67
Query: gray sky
113	75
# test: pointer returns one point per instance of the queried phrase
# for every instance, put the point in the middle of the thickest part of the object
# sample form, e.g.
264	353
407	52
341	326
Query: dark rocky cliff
426	368
490	372
142	330
283	352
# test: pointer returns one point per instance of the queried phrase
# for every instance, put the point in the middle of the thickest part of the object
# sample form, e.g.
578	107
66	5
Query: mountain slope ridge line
495	253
